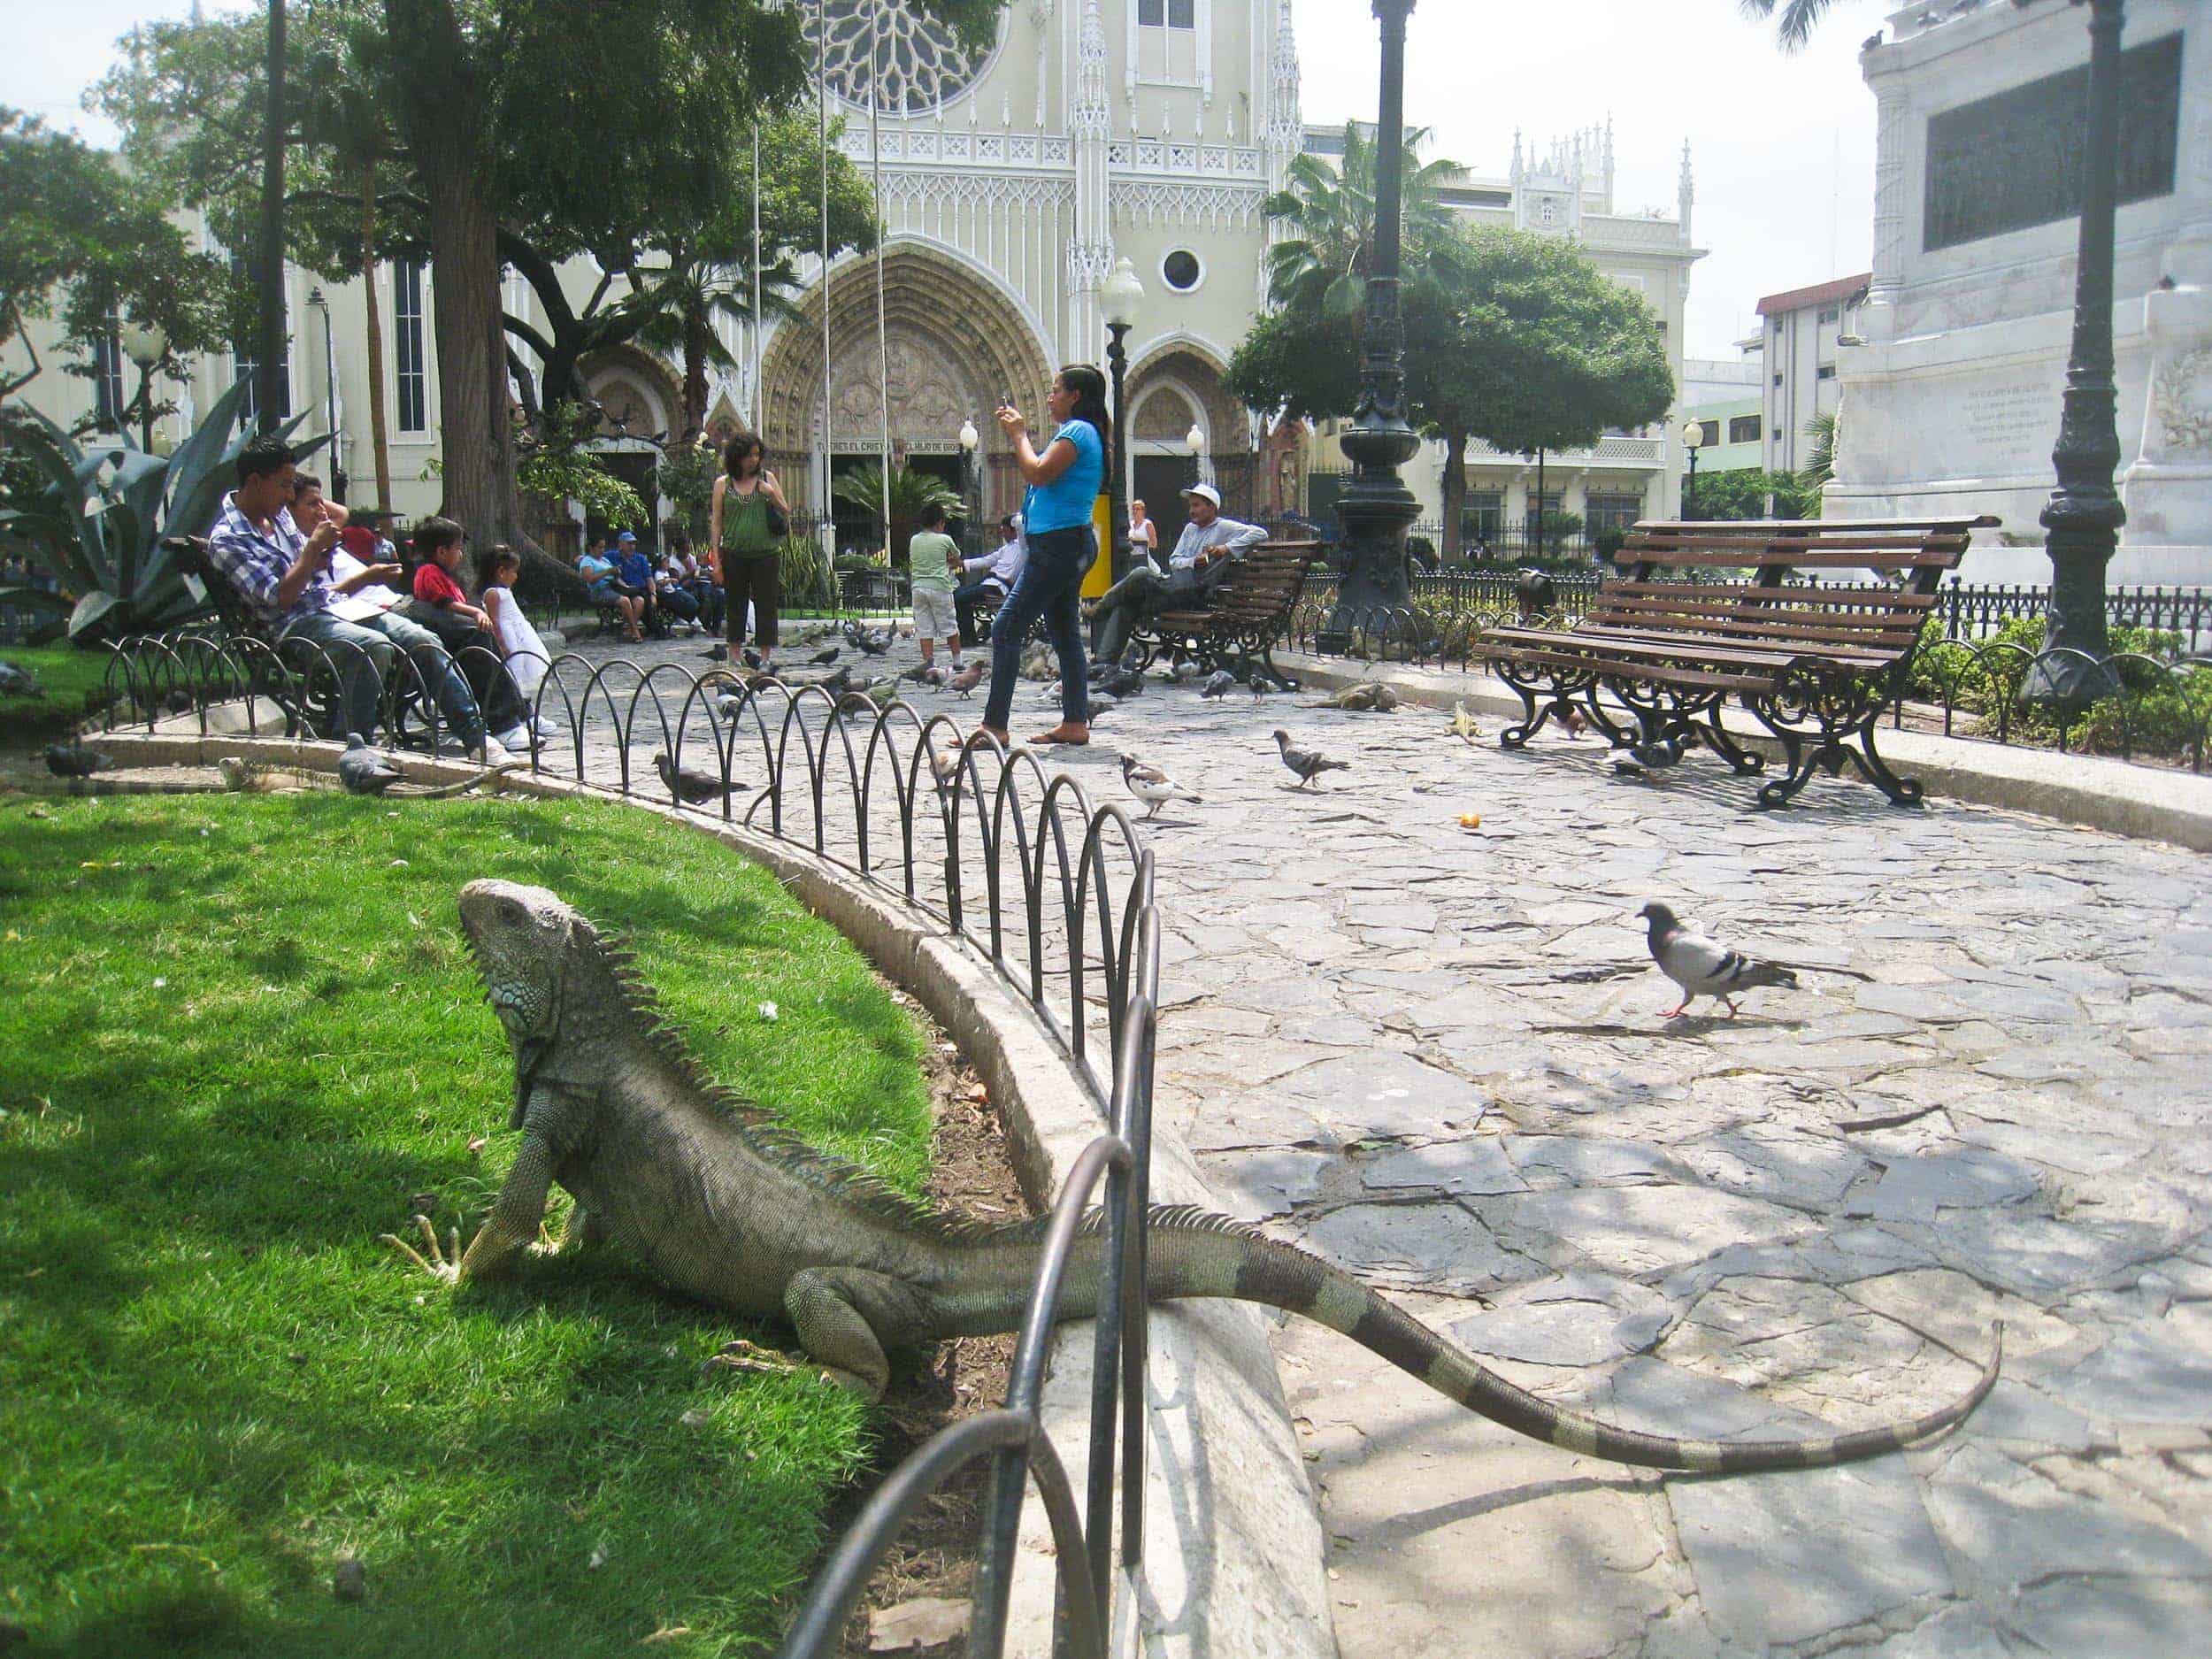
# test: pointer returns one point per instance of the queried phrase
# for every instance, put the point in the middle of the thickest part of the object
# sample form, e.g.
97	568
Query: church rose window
915	62
1181	271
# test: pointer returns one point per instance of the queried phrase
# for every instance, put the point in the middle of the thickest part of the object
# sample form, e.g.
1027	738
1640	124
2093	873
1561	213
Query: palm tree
1323	266
912	491
1820	460
690	296
1798	19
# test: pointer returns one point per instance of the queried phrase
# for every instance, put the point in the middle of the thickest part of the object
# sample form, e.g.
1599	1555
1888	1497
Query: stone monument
1951	404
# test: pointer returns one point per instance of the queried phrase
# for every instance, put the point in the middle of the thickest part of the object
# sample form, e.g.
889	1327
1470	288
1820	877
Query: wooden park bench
1704	612
1248	616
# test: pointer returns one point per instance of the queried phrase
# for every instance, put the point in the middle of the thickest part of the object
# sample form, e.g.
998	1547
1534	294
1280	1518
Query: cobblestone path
1435	1055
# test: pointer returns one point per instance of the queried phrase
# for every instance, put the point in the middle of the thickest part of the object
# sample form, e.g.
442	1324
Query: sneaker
546	730
496	753
513	737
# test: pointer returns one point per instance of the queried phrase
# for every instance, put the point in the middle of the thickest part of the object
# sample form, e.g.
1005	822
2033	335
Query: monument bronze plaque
2014	159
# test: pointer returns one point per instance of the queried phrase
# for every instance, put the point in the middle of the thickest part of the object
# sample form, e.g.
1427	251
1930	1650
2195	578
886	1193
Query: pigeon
364	770
823	659
1218	684
751	657
874	644
719	654
1181	669
967	680
1704	967
729	706
925	674
1643	759
18	682
693	788
838	683
1150	783
1121	682
1306	763
1258	685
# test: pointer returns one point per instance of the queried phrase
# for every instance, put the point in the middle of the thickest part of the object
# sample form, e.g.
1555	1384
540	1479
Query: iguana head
522	938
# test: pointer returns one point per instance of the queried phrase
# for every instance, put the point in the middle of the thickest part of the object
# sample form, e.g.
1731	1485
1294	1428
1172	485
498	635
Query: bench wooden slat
1753	625
1901	599
1844	652
1706	678
1650	648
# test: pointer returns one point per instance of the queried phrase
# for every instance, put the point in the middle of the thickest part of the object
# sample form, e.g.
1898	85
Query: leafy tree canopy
82	235
1741	493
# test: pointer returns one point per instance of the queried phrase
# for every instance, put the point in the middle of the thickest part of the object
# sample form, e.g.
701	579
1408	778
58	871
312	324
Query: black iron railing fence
1056	892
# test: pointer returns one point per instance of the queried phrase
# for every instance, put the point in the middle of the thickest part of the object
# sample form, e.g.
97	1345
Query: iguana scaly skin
725	1207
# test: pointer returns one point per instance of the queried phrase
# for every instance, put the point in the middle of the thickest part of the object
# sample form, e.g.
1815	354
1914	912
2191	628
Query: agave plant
911	491
95	519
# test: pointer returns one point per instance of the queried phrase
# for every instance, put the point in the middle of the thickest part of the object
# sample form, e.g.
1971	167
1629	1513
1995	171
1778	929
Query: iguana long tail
1193	1254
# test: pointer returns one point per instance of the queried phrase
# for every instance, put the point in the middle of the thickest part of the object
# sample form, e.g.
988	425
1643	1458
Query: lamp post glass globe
1693	434
969	436
143	343
1121	297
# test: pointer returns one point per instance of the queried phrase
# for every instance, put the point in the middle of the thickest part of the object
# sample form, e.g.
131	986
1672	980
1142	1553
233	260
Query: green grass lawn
74	681
239	1039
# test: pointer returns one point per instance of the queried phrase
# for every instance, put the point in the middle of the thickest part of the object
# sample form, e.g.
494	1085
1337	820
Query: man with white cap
1202	558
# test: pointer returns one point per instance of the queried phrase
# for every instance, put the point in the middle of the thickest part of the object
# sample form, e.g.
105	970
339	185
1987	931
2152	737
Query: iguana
724	1206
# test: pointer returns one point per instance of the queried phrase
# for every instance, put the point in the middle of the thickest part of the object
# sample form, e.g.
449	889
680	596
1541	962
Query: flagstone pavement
1434	1055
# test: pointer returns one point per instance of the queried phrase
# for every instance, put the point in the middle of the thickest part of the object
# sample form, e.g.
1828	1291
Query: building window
1777	377
1831	313
108	401
1611	512
1483	517
1827	372
1743	429
414	383
1181	271
1710	429
1172	14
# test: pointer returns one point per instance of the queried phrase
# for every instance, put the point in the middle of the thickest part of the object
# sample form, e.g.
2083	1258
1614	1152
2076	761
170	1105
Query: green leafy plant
558	466
686	475
96	518
912	491
807	579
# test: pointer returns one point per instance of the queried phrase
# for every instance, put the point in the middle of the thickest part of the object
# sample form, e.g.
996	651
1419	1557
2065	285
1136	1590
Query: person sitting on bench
991	577
1194	570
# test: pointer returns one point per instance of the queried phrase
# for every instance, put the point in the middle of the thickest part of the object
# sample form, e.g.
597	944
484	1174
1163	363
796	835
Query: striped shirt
254	562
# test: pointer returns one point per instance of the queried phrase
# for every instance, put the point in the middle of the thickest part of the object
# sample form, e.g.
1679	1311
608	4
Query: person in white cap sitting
1202	558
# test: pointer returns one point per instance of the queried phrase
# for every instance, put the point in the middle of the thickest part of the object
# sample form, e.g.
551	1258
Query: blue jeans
1049	588
361	671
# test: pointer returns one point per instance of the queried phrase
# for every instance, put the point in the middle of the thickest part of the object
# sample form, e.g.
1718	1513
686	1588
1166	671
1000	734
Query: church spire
1090	255
1687	192
1285	118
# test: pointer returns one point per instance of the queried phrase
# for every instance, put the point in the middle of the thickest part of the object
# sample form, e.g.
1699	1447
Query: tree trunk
379	445
443	113
695	371
269	342
1454	493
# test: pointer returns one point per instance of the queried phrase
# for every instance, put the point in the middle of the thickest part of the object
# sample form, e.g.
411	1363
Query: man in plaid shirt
284	577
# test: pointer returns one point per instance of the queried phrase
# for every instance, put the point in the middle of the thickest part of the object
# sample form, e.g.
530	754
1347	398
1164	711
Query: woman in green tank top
744	545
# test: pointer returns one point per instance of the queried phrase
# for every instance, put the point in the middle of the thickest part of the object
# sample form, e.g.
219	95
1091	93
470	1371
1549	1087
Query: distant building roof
1797	299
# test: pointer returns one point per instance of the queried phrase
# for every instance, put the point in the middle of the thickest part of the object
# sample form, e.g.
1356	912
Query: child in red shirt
438	544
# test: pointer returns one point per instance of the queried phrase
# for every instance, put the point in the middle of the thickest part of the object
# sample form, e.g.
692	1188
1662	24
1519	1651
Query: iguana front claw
442	1262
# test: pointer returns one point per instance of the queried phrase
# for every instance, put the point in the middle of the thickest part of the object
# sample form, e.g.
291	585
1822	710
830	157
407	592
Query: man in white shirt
1203	555
992	576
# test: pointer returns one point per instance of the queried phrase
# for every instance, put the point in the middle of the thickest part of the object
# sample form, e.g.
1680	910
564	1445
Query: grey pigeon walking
364	770
823	659
1150	783
73	759
967	680
1117	681
693	788
1307	763
18	682
1220	683
1705	967
1641	760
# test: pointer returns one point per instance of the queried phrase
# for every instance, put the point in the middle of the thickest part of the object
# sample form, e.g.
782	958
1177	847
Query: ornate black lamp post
1119	301
1376	507
1693	441
969	509
2084	514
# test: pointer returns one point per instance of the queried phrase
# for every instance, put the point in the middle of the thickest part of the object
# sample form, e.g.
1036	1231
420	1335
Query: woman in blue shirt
1064	484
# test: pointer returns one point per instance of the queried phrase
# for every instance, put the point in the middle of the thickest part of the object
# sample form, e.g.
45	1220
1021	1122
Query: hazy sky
1783	147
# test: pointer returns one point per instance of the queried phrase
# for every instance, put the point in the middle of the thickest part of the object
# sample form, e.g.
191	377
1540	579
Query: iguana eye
510	911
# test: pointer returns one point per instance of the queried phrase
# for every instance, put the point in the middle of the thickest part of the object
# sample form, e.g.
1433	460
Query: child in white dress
520	647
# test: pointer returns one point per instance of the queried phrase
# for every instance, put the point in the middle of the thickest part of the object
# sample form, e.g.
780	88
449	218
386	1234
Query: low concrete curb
1234	1540
2144	803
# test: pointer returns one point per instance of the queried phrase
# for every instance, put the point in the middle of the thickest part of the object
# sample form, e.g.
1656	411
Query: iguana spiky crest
538	956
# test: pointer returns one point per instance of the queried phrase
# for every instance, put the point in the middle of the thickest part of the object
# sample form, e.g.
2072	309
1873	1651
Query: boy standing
933	562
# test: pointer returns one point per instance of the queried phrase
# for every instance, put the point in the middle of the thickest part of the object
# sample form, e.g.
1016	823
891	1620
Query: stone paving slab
1433	1054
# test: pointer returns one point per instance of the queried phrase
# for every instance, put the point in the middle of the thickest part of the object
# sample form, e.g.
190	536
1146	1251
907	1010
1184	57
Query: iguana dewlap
723	1205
